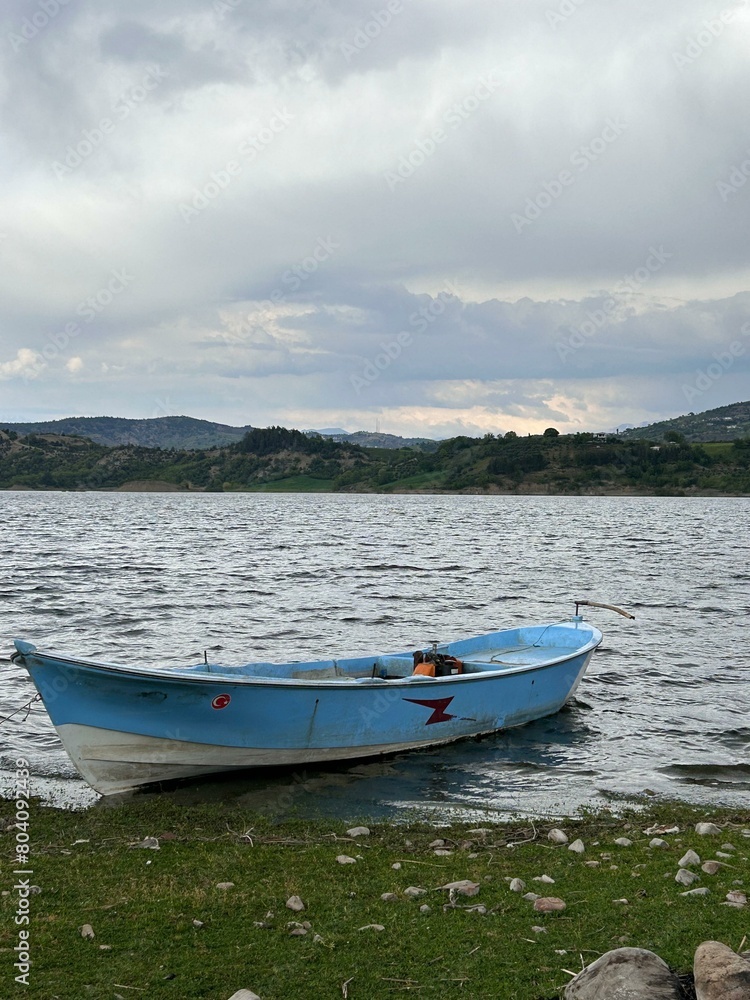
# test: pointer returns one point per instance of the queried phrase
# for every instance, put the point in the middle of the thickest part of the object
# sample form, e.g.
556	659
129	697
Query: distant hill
374	439
725	423
191	434
155	432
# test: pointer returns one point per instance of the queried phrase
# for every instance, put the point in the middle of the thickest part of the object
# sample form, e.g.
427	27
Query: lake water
158	578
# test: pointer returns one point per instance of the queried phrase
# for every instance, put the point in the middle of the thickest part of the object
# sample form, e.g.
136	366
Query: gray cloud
290	183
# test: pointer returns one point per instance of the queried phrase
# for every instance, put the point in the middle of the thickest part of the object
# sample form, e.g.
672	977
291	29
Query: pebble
624	902
723	854
424	908
658	842
389	897
728	847
707	829
344	859
735	906
149	843
197	923
358	831
441	853
735	896
472	855
105	947
372	927
685	877
87	931
437	843
479	908
704	891
414	891
225	885
317	939
539	930
711	867
548	904
577	846
517	885
531	896
396	866
244	995
557	836
593	864
465	887
295	903
624	842
481	831
691	858
544	878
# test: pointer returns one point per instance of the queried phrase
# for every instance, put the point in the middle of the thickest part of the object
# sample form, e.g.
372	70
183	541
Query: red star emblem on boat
438	706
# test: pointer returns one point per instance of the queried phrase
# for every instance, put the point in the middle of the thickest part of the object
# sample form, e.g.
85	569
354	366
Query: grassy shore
143	904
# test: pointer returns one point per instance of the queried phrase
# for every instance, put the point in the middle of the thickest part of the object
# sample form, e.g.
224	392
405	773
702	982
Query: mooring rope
27	706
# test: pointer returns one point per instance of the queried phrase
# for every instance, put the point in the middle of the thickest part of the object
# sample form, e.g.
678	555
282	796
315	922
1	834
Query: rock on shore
720	974
629	972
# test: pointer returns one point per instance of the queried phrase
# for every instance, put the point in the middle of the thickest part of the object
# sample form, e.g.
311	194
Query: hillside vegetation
287	460
153	432
725	423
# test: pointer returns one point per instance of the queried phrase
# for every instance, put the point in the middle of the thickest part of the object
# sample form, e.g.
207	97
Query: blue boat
130	725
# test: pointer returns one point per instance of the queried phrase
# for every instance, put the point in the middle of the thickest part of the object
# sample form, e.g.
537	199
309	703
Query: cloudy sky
446	217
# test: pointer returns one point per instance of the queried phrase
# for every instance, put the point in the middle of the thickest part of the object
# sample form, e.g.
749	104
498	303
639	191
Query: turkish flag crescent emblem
438	705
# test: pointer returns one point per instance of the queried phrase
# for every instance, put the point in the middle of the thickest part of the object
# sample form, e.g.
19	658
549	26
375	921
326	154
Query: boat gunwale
343	683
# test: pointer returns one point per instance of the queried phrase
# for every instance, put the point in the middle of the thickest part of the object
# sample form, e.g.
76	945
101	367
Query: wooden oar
609	607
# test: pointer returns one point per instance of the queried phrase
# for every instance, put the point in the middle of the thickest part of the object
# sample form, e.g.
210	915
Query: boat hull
127	727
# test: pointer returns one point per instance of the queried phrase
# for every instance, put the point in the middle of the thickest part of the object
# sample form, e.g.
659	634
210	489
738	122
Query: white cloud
25	365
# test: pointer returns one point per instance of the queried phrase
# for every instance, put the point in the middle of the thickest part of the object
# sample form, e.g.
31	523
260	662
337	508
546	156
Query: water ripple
161	577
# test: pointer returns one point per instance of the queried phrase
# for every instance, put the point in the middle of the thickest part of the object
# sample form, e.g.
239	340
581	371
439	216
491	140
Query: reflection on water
159	578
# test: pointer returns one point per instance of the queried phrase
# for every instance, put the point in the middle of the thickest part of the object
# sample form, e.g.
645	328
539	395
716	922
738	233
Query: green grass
719	449
142	903
293	484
